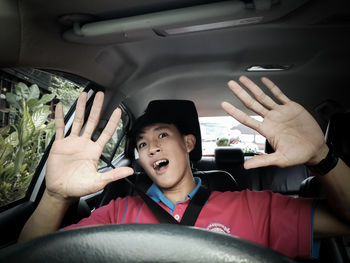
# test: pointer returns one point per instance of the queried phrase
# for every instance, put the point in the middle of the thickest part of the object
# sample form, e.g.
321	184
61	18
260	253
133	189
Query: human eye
141	145
162	135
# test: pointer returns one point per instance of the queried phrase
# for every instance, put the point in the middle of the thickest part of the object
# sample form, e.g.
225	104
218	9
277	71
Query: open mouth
160	163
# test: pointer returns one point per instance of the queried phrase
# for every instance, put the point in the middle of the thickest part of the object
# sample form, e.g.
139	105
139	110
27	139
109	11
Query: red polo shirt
273	220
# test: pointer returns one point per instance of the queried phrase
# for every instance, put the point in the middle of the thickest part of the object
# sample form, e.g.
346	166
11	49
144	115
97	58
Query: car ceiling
312	37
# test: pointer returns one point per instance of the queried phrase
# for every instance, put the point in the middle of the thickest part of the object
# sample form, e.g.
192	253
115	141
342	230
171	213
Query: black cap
181	113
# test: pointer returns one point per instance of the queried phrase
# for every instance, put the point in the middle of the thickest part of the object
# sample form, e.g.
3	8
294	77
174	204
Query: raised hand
292	132
73	161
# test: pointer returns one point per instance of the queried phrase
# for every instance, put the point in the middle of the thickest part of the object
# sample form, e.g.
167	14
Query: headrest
224	155
181	113
217	180
338	135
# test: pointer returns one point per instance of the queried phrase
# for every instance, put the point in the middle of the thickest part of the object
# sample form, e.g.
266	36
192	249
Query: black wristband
327	164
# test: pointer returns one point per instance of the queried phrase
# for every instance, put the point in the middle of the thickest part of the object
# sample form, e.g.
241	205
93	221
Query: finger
110	128
94	115
79	114
247	100
115	174
240	116
275	90
260	96
265	160
59	122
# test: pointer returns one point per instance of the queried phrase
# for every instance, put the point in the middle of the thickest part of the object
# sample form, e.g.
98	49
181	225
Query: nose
154	148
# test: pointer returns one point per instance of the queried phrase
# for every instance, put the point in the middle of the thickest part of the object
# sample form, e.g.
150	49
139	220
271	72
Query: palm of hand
73	161
289	128
293	133
72	167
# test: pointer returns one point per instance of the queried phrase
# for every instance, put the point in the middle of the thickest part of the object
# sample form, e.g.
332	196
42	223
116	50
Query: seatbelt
191	214
195	206
163	216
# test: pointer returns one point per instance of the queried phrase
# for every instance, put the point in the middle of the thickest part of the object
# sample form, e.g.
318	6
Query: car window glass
116	144
27	101
226	131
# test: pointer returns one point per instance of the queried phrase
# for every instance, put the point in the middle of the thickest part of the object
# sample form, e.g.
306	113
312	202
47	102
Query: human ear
190	142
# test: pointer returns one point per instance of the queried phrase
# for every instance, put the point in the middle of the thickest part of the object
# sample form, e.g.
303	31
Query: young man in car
285	224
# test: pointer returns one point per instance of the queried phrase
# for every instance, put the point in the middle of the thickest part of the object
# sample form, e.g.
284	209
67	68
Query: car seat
286	180
231	160
336	249
281	180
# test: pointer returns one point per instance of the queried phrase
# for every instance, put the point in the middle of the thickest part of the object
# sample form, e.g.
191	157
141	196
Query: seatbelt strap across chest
189	217
195	206
191	214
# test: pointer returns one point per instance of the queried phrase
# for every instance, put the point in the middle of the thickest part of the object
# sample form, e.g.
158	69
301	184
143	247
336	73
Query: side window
27	102
116	144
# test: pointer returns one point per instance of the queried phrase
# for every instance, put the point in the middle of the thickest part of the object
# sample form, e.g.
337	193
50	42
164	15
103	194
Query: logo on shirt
218	227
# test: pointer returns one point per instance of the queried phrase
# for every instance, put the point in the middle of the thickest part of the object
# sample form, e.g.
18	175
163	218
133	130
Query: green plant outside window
30	129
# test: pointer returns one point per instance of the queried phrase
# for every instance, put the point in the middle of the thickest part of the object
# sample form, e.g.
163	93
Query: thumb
263	160
116	174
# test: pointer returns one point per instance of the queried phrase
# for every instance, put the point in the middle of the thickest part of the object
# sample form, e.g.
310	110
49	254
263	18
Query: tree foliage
24	141
65	91
223	142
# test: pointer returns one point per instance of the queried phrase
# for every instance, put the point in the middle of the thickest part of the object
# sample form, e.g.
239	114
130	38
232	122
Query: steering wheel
139	243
